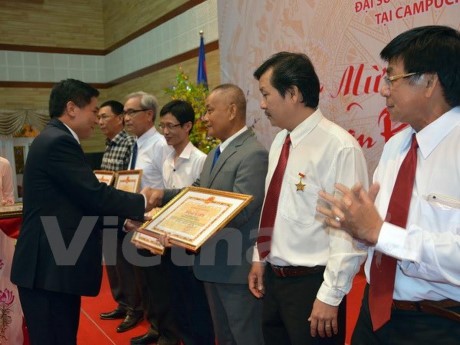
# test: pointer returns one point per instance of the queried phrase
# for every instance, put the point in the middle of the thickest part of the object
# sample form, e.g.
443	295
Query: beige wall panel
24	98
53	23
29	98
122	17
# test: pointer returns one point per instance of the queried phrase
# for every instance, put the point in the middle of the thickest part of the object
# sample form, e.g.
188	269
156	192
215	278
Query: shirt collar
144	137
117	138
227	142
430	136
305	127
72	132
187	151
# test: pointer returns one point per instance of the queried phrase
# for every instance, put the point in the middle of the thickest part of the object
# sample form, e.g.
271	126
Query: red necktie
271	202
383	267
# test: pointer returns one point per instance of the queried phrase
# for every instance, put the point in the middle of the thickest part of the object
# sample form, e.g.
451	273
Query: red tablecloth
11	226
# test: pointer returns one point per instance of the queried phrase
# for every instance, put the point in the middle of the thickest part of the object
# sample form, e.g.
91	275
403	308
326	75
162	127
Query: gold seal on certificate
192	217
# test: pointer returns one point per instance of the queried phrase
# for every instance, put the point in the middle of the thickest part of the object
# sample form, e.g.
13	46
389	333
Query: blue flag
202	77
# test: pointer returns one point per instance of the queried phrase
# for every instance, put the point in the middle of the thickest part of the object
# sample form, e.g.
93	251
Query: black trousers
405	328
51	317
121	277
156	298
288	303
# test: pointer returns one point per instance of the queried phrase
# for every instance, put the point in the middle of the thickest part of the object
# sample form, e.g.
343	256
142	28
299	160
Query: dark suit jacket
59	183
241	168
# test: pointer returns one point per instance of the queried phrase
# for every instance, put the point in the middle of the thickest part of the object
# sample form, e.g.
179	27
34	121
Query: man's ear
431	82
70	109
232	111
187	126
432	78
294	93
120	120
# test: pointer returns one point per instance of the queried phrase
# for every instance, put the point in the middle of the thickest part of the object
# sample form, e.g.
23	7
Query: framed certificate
11	211
128	180
148	242
105	176
194	215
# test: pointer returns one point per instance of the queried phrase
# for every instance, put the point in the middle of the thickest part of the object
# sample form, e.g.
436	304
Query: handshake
153	197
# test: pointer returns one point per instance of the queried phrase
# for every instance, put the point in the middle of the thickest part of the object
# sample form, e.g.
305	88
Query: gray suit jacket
241	168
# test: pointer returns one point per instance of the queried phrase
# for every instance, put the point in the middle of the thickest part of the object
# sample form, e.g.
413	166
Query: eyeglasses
132	112
169	126
390	79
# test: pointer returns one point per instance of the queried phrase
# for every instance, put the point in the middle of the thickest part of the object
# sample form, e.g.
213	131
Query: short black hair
430	49
292	69
117	107
68	90
181	110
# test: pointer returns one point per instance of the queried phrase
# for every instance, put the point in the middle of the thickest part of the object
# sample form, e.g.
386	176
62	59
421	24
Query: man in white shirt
121	275
181	168
301	269
422	89
140	109
183	165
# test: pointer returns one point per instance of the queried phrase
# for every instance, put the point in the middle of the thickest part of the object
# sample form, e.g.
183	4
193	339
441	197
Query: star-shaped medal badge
300	186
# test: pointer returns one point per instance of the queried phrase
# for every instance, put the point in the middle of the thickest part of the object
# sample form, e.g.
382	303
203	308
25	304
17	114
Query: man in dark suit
59	249
222	264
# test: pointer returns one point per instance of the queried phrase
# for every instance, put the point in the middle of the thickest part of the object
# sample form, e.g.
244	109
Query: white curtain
12	121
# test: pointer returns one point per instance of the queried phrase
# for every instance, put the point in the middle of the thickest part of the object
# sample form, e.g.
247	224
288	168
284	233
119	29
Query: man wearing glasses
121	275
149	154
411	214
182	167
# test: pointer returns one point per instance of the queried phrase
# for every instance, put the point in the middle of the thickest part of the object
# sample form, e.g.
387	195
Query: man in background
302	269
121	275
149	154
6	183
59	249
410	216
182	167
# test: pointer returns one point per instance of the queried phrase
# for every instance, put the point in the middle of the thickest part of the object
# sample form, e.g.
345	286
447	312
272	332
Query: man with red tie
410	216
301	268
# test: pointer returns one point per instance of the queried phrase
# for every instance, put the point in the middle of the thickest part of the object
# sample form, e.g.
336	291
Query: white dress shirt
324	154
183	171
152	151
429	250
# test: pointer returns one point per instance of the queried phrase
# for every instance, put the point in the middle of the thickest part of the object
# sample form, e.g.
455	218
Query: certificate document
194	215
